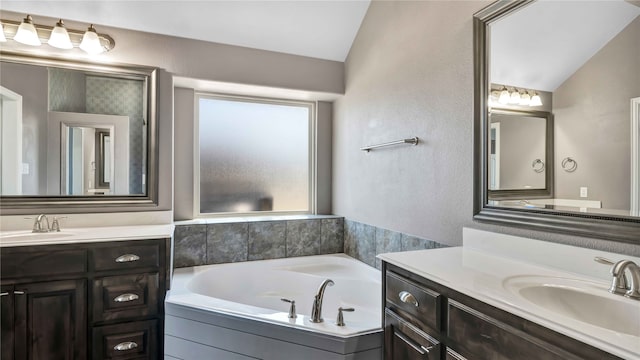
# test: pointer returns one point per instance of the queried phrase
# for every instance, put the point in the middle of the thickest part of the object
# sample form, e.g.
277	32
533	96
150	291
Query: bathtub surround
217	243
364	242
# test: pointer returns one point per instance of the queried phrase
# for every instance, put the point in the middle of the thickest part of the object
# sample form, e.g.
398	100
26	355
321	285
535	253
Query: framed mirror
77	134
590	98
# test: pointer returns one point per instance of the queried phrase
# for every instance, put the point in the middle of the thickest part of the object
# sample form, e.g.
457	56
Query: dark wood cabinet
423	315
83	301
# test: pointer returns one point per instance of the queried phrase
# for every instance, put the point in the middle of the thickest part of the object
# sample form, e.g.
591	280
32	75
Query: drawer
133	340
476	333
405	341
407	297
25	264
125	297
126	256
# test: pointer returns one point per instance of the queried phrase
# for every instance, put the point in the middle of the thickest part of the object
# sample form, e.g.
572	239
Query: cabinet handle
4	294
126	298
418	348
407	297
127	258
18	293
124	346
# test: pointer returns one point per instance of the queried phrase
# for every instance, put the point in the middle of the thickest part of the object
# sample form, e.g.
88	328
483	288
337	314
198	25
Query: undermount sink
585	301
29	235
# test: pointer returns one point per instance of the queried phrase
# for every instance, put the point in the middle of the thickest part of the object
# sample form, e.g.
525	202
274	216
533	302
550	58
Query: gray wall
31	82
592	122
410	73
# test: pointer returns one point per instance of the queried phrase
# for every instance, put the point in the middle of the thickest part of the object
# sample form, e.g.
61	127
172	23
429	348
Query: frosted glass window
254	156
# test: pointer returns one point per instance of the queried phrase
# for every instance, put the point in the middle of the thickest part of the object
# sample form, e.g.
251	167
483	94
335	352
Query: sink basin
584	301
29	236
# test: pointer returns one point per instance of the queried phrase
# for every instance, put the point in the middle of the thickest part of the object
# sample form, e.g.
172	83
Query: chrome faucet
316	309
618	270
37	224
620	283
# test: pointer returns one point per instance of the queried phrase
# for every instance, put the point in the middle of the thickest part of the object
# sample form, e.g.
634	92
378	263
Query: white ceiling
322	29
543	44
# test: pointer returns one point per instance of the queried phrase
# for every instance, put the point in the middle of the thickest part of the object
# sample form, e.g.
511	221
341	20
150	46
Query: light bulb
27	33
60	37
535	100
525	99
515	97
504	97
91	42
2	37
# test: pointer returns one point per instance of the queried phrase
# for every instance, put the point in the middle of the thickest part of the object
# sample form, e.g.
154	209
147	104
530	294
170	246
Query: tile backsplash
220	242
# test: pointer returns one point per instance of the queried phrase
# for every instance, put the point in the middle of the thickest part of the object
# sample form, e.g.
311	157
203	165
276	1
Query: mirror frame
547	191
18	205
607	227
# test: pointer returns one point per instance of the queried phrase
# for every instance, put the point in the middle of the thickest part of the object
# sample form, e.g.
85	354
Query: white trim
312	181
496	158
11	133
635	156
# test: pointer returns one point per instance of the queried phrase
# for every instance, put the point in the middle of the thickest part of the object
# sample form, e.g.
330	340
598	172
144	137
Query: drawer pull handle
4	294
126	298
127	258
18	293
418	348
407	297
124	346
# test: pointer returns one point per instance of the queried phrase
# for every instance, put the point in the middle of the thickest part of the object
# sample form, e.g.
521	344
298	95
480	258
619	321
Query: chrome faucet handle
55	223
619	283
292	308
340	320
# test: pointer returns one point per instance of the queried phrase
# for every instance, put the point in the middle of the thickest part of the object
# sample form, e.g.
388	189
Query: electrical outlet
583	191
25	168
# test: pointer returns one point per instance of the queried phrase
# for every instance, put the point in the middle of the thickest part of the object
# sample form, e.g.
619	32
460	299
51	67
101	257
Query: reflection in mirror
517	157
73	131
590	89
583	63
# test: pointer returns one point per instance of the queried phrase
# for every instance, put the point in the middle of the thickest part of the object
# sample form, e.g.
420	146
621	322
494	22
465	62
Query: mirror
76	133
590	99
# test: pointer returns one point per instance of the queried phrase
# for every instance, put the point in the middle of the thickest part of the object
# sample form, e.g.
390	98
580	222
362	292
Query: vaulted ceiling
315	28
543	44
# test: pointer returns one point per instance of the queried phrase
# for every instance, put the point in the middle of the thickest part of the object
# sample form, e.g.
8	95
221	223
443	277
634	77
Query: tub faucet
38	226
316	310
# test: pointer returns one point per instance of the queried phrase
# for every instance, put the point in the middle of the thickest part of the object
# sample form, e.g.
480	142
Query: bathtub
235	311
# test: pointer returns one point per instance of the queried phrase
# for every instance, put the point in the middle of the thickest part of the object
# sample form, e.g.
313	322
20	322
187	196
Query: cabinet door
51	320
6	322
404	341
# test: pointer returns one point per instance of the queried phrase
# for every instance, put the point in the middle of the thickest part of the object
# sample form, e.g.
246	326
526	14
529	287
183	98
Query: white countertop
85	234
481	275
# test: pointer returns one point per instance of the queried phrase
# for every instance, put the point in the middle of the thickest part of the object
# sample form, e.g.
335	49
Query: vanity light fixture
60	37
535	100
525	99
504	96
515	97
91	42
27	33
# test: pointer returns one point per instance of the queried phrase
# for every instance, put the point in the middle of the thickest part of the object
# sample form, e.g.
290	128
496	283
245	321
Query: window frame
312	161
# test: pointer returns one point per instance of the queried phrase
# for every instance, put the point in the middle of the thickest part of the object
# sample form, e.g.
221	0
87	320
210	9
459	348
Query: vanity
486	300
84	293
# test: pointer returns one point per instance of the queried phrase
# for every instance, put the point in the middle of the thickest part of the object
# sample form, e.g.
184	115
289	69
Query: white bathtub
253	290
